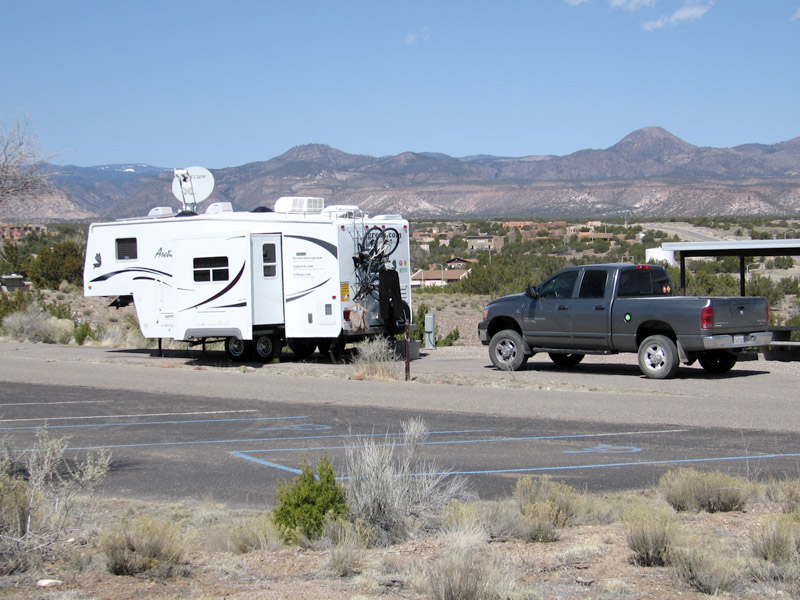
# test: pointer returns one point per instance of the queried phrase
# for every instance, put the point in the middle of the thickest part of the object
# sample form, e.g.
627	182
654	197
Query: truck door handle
563	307
600	307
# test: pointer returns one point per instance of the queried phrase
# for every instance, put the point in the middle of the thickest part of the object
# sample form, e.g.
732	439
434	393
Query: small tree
60	262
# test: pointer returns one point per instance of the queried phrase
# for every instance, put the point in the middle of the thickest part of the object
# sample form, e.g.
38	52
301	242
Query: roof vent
219	207
299	204
160	211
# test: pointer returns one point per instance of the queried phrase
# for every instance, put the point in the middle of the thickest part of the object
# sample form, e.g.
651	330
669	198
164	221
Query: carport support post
683	275
742	276
408	352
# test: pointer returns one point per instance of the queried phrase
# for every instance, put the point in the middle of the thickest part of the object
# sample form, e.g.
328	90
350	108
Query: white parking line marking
172	414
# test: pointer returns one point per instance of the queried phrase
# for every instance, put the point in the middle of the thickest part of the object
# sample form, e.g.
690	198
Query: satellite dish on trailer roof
192	186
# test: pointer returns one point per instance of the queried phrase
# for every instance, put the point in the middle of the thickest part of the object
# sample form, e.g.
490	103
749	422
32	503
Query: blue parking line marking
267	463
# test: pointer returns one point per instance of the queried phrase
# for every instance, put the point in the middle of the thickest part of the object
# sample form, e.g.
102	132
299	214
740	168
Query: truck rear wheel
237	349
566	360
658	357
717	361
507	350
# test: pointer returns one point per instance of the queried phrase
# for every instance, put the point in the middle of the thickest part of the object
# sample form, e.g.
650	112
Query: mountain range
649	173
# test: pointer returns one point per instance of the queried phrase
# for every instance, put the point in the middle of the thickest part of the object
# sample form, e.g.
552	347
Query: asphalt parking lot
187	428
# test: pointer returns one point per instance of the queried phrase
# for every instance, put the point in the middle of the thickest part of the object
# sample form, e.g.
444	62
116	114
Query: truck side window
560	286
211	268
593	284
126	249
645	282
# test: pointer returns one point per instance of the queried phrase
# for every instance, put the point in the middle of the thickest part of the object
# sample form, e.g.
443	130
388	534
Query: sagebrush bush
145	544
461	574
347	544
34	325
43	498
304	503
693	490
393	490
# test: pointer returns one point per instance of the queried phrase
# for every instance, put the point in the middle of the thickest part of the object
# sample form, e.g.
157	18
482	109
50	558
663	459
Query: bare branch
23	172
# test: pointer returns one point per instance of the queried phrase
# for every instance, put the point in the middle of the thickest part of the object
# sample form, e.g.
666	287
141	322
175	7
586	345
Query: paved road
187	426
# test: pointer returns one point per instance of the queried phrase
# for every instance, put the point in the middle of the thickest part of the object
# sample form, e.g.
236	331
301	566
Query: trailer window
211	268
126	249
270	260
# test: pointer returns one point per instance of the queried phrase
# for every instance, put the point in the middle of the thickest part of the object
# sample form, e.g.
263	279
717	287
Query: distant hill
650	172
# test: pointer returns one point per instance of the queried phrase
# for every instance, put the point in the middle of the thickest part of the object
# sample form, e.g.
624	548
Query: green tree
57	263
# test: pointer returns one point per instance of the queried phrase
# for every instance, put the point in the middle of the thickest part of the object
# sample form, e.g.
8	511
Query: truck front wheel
658	357
507	350
717	361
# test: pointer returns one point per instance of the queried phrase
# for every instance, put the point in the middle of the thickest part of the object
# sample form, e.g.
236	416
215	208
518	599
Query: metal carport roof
740	248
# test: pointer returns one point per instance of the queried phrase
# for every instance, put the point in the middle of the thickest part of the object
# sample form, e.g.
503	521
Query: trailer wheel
717	361
566	360
658	357
267	347
507	350
302	348
237	349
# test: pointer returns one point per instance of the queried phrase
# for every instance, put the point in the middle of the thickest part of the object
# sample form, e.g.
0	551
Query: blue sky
221	84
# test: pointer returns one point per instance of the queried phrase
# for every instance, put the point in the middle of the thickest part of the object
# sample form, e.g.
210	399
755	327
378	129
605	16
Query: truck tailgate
734	314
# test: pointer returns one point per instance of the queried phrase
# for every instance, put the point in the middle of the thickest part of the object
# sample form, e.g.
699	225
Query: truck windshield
644	282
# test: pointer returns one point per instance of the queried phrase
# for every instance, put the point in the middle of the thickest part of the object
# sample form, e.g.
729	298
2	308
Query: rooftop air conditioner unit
299	204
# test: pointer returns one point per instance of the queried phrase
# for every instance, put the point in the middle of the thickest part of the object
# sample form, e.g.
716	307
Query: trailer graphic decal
111	274
221	293
299	295
328	246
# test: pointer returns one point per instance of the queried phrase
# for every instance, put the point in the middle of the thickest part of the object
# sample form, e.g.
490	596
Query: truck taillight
707	317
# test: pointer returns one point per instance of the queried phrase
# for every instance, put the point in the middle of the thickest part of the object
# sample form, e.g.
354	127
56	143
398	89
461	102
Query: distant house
459	263
437	277
17	232
486	242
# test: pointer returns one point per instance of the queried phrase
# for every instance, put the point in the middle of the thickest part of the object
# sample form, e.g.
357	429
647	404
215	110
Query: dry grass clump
693	490
256	533
376	359
347	547
146	544
650	533
547	505
706	567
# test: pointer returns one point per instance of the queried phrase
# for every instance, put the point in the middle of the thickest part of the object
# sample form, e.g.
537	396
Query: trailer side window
211	268
126	249
270	260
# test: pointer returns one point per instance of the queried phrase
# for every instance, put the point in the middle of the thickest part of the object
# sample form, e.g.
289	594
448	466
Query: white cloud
691	11
631	5
576	2
796	15
418	37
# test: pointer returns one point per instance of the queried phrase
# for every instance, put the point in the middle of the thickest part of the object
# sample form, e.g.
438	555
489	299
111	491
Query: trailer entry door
267	279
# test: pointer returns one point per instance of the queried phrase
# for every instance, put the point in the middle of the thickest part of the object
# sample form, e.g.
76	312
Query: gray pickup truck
606	309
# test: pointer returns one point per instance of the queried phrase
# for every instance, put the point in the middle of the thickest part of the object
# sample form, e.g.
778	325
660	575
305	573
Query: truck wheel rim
506	351
655	357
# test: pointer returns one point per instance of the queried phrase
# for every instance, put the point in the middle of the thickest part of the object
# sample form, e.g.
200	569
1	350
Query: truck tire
236	349
266	347
658	357
717	361
507	350
566	360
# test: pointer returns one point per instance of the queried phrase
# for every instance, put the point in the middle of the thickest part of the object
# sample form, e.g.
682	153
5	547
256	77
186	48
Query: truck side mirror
531	292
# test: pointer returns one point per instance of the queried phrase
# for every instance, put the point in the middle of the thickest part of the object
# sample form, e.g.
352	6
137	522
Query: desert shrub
13	302
790	495
59	262
460	574
692	490
449	339
650	532
496	519
304	503
145	544
394	491
43	498
82	332
544	497
257	533
376	359
705	570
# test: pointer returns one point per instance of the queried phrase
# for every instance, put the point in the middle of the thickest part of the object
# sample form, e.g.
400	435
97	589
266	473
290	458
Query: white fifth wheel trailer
302	274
